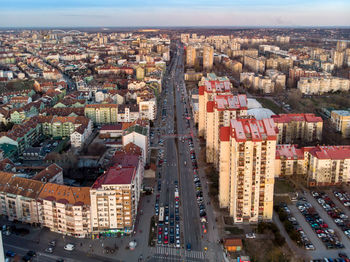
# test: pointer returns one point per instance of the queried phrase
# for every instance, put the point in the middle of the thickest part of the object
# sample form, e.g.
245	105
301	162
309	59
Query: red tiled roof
116	175
225	133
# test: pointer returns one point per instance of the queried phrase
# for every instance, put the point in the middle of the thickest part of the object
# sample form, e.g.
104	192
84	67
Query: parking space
328	220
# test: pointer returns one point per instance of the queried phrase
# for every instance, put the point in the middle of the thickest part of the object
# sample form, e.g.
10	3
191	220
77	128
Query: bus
161	216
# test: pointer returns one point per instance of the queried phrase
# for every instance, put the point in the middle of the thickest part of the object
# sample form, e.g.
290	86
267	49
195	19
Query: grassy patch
267	103
281	199
234	230
283	186
152	234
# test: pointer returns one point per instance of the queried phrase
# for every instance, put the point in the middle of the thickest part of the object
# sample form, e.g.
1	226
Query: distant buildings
208	57
255	64
190	55
247	156
321	85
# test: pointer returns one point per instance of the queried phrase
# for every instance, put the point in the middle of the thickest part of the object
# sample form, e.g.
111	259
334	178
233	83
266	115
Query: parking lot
326	237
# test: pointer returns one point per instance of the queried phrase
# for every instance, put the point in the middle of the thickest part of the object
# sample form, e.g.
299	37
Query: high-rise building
246	181
338	58
220	111
341	45
208	57
190	55
208	87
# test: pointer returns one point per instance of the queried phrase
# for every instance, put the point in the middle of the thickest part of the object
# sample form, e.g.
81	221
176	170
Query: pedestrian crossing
176	252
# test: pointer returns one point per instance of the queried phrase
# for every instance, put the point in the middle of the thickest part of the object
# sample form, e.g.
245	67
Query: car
27	258
171	231
178	243
49	250
166	239
172	240
250	235
10	253
159	239
342	255
52	243
31	253
188	246
69	247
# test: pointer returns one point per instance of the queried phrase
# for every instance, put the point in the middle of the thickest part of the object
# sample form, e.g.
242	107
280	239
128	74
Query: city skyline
106	13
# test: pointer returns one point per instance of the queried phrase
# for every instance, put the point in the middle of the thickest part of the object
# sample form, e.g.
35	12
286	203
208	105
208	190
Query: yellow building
219	113
140	73
246	181
208	57
341	120
102	113
190	55
208	87
301	128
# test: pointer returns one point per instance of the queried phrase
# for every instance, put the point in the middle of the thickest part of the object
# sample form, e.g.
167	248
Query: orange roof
233	242
66	194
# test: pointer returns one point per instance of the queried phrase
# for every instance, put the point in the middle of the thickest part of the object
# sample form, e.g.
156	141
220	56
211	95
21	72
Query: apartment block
190	55
298	128
219	113
102	113
66	209
321	85
327	165
289	160
341	121
247	156
256	64
208	87
114	198
208	57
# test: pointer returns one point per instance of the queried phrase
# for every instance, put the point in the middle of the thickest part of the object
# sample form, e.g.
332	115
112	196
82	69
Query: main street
177	166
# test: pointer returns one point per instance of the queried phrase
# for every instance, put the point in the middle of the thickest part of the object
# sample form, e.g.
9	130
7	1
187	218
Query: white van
69	247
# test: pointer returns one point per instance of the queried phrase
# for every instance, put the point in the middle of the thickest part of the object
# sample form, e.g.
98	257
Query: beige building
219	113
247	156
327	165
208	87
289	160
341	121
320	85
256	64
66	209
208	57
338	58
115	196
190	55
302	128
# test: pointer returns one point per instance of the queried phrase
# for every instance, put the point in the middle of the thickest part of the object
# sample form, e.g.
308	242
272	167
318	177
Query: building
190	55
52	174
289	160
338	58
148	109
298	128
233	244
115	196
208	57
208	87
327	165
255	64
219	113
66	209
102	113
246	169
138	135
18	198
341	121
321	85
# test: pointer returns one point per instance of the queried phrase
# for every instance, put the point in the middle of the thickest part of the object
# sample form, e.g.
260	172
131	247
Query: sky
152	13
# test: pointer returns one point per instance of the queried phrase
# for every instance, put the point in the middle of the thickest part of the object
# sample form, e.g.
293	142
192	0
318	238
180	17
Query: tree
96	149
294	97
246	83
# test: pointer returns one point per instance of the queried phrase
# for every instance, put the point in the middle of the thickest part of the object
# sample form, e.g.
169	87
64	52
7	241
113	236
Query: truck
161	216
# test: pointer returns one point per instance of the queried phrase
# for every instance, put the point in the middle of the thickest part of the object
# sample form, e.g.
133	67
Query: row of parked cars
338	216
343	197
304	239
321	229
198	185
